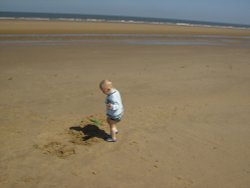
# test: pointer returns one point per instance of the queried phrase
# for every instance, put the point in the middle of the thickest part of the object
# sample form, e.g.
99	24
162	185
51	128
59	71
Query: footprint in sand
57	149
184	182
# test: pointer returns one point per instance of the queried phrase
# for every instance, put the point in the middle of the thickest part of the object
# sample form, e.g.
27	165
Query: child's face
105	90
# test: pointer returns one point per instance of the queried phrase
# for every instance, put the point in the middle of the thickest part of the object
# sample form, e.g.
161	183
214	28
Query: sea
110	18
134	39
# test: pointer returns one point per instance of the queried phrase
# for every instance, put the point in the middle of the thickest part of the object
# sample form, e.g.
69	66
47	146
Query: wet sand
186	120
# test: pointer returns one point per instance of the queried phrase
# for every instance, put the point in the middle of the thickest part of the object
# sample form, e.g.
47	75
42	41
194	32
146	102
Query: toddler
114	107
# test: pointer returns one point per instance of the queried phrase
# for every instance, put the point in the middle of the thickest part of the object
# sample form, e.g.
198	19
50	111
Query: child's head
105	86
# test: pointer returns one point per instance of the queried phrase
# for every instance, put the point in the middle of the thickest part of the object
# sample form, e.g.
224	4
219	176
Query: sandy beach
186	99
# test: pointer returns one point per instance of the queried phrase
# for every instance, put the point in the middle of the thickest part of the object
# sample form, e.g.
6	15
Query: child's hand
109	106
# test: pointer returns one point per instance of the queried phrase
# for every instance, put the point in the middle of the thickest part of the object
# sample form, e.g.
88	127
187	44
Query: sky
228	11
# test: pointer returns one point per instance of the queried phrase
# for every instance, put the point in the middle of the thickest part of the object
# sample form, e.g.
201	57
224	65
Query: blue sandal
110	140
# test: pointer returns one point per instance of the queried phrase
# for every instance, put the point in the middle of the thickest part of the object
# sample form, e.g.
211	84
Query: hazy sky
231	11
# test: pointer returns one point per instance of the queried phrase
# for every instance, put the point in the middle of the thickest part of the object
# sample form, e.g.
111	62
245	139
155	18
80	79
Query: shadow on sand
90	131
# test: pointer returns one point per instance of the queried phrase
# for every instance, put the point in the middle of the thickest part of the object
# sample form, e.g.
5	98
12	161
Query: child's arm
114	102
113	106
109	106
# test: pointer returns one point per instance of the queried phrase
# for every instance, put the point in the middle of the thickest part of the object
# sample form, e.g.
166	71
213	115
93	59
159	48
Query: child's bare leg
113	128
113	131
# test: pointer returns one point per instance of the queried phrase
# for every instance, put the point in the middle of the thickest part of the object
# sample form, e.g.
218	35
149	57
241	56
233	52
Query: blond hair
105	84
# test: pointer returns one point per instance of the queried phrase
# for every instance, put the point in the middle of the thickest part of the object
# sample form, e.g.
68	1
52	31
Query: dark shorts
115	118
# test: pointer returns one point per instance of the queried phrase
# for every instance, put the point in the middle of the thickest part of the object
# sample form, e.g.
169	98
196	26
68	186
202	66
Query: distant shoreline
115	19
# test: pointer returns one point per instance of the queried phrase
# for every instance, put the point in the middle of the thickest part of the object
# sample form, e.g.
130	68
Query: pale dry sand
22	27
186	123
